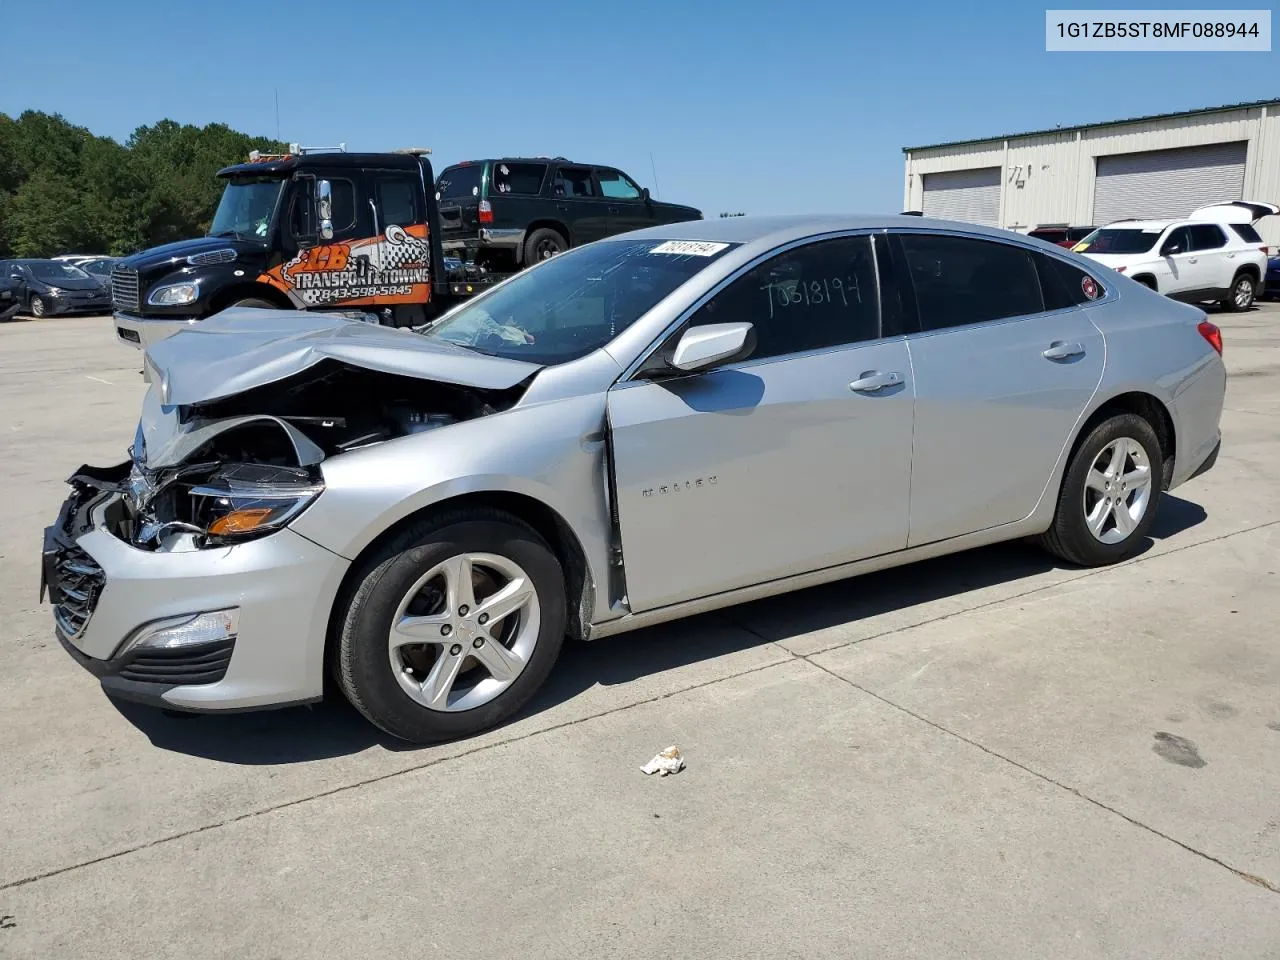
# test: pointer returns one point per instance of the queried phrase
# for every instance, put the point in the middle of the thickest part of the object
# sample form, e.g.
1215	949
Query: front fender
552	452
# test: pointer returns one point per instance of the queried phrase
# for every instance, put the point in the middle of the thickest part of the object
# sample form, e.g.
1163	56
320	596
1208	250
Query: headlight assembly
175	294
249	500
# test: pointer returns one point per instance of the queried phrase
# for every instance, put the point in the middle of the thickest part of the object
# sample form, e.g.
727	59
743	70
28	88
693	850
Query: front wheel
1243	290
1108	497
37	306
255	302
453	627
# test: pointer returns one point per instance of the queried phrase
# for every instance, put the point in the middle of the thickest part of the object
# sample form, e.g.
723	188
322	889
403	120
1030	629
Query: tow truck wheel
254	302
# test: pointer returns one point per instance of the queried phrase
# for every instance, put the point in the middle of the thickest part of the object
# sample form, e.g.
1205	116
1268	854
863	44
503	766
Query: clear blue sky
765	107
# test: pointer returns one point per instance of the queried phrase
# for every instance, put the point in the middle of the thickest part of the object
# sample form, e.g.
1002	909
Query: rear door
578	201
1213	263
1003	369
627	208
789	461
458	193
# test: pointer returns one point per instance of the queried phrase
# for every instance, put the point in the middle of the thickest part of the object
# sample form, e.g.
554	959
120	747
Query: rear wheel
1243	290
1108	497
453	627
543	244
37	306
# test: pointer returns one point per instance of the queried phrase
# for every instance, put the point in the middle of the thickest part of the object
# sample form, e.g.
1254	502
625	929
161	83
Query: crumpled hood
242	348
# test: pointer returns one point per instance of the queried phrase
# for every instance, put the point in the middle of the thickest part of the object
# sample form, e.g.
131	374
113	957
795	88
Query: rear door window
1207	236
516	179
959	280
461	182
573	182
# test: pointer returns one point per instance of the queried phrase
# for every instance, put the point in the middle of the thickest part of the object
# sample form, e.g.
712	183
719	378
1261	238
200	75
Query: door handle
1193	259
1061	350
562	206
873	380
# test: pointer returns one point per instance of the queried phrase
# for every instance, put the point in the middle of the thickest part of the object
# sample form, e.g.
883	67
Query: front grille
124	288
197	663
79	583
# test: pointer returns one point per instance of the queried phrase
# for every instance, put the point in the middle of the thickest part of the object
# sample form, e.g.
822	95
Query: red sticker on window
1090	288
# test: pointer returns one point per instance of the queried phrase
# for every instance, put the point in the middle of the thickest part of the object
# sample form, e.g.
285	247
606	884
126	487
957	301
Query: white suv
1214	254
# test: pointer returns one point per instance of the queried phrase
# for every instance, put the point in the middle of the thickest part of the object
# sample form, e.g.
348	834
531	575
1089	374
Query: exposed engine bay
214	473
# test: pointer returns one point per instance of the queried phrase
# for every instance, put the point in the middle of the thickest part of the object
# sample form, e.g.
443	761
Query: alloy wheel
1243	293
464	631
1117	490
37	307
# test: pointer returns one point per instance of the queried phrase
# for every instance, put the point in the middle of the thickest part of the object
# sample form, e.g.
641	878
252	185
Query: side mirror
701	348
644	194
1169	249
324	209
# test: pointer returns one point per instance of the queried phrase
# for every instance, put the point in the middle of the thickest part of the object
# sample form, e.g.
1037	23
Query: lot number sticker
689	248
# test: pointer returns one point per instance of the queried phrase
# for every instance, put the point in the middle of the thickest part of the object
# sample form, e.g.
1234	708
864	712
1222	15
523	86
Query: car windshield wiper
228	233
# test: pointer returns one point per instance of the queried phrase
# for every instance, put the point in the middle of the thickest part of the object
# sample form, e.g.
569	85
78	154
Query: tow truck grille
80	581
124	288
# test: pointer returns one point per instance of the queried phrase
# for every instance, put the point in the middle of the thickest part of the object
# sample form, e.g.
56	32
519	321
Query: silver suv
639	429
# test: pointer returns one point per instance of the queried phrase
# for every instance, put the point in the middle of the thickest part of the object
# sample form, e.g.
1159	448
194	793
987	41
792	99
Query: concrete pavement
985	755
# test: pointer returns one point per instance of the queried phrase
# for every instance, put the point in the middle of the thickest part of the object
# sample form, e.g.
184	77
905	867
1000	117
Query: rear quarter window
1066	285
516	179
1246	232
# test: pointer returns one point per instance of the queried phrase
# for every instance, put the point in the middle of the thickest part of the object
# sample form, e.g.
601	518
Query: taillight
1121	269
1263	250
486	211
1211	333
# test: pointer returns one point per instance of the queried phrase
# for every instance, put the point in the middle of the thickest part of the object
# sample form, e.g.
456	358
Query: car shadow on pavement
333	728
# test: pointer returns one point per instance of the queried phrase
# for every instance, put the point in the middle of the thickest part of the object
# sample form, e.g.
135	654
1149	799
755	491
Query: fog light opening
185	631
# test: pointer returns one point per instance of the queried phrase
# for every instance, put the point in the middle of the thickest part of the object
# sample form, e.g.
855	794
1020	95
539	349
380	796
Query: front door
1181	270
795	459
1001	380
579	203
628	210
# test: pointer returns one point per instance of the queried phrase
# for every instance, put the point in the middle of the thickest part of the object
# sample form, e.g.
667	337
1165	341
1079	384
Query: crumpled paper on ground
665	763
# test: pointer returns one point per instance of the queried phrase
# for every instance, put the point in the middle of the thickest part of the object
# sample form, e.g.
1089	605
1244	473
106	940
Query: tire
1070	536
392	589
1243	291
36	306
543	244
1148	282
253	302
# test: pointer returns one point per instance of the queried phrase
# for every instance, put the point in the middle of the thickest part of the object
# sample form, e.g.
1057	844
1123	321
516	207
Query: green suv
507	214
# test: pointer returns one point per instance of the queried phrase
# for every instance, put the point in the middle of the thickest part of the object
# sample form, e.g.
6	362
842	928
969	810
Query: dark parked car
46	287
1063	236
516	211
9	301
1271	285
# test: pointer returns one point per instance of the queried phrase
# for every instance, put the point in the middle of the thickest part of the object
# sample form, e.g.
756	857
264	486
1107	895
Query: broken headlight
243	501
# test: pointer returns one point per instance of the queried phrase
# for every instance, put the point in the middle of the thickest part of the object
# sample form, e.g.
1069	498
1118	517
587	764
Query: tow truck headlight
230	512
175	294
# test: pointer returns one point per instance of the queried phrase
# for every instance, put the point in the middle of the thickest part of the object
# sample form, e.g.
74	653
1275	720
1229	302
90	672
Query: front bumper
283	586
55	306
141	332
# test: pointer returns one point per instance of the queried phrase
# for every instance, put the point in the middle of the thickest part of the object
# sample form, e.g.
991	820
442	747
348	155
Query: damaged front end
216	473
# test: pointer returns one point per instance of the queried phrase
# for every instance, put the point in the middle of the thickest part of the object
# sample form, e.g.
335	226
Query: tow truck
311	229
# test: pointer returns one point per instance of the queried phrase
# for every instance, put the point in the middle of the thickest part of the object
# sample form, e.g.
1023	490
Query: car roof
1142	224
781	229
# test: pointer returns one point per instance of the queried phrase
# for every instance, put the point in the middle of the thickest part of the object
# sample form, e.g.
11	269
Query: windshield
576	302
98	268
1116	240
246	208
458	182
56	270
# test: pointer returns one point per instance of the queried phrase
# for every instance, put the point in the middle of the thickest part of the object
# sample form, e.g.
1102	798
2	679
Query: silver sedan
640	429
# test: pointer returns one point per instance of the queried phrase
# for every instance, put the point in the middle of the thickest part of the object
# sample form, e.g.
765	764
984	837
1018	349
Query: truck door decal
392	268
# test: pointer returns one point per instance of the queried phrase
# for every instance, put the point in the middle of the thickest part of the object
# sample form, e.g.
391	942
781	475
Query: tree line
65	190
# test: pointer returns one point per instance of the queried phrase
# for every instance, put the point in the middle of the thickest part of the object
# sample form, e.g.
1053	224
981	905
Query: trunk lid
1235	211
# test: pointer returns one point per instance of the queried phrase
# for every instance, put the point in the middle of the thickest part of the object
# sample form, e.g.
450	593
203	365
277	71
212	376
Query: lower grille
130	335
79	584
124	288
198	663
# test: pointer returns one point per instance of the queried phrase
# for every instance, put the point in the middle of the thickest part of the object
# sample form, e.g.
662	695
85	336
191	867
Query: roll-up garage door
969	195
1167	183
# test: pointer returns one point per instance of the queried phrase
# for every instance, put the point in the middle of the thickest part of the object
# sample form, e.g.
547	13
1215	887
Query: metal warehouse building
1149	167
